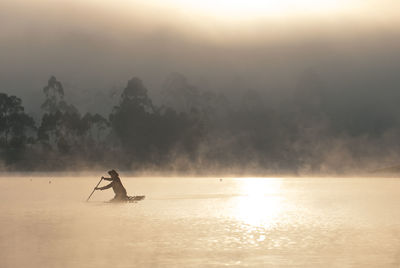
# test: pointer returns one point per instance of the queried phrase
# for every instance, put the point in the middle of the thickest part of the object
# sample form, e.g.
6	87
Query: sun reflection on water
261	203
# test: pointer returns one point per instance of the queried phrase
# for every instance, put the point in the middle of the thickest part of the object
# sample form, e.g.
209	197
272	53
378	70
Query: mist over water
287	94
296	88
200	222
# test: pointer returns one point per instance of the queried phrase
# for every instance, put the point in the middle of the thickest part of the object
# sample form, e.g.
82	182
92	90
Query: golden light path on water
261	203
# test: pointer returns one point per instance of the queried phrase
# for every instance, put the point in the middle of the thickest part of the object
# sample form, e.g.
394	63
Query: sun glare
247	9
261	203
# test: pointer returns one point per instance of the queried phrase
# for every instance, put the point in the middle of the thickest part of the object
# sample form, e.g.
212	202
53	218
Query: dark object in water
129	199
134	199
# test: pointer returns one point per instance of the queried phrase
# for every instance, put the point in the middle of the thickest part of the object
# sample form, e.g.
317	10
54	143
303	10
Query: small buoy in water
220	179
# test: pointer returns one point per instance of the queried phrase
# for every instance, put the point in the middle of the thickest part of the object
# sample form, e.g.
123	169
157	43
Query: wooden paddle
94	189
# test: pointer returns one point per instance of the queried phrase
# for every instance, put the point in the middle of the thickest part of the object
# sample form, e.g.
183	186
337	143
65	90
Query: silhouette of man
116	184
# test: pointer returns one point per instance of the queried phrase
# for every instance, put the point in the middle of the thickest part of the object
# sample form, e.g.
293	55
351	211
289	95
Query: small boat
136	198
129	199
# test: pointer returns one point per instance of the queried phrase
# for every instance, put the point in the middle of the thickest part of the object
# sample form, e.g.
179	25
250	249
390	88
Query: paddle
94	189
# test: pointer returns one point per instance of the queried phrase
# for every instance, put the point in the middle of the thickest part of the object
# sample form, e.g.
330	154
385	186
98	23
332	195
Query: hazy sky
217	44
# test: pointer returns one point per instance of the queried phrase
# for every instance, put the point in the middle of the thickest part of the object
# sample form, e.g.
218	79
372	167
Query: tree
145	132
14	126
135	95
54	101
61	124
133	119
180	95
96	126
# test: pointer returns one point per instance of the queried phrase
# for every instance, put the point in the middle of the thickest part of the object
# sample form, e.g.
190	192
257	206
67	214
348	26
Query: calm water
201	222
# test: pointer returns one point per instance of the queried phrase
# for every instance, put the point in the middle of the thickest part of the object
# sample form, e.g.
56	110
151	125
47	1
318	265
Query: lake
200	222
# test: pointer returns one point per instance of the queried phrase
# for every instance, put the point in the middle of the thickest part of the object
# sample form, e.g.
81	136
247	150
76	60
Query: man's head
113	173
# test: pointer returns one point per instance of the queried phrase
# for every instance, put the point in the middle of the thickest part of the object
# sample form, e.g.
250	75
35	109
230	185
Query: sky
226	46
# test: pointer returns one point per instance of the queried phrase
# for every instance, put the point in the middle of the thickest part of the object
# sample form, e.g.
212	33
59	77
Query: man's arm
104	187
107	179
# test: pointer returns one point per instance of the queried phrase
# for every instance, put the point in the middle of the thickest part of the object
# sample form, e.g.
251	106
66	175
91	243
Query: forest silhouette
193	131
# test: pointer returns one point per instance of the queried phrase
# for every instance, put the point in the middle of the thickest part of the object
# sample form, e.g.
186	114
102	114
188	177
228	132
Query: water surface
201	222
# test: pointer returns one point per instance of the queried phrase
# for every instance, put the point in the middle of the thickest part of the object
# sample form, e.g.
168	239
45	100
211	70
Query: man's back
118	188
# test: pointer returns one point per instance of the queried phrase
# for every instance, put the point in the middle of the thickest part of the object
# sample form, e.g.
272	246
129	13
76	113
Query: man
116	184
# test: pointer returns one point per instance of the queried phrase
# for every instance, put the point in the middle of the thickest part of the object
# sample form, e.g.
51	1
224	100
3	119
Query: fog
96	46
273	127
301	91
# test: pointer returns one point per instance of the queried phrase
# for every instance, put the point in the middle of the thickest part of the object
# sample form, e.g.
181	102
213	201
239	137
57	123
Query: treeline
195	131
137	134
